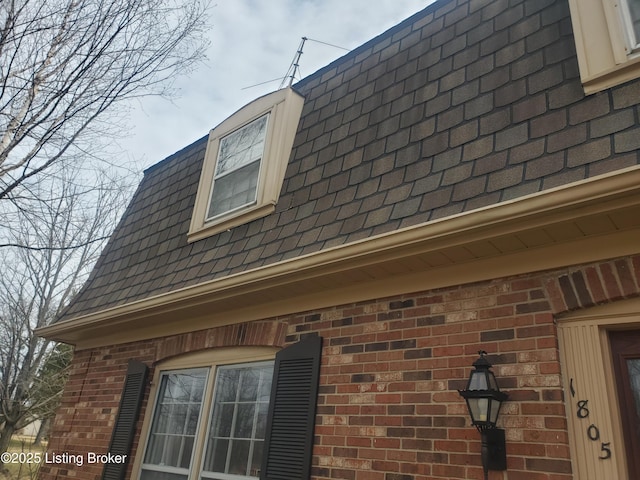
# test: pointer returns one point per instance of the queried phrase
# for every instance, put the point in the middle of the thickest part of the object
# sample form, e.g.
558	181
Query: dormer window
235	183
631	14
245	163
607	36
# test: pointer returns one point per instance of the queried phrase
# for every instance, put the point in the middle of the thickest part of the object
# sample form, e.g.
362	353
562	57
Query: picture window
227	421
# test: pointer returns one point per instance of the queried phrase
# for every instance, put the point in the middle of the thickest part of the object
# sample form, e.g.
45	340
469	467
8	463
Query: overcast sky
254	41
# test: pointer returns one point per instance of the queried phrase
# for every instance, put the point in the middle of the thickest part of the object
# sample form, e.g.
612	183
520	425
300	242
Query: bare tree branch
67	70
66	63
41	249
64	239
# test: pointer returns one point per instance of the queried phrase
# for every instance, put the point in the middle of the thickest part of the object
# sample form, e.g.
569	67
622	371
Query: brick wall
85	419
389	404
388	407
86	416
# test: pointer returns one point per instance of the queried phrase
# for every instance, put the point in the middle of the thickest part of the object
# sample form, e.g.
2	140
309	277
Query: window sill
612	77
603	52
229	222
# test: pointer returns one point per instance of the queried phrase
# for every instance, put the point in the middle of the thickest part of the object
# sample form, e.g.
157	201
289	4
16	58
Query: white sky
253	41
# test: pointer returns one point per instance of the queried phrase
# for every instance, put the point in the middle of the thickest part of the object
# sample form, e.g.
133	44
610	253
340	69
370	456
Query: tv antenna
295	64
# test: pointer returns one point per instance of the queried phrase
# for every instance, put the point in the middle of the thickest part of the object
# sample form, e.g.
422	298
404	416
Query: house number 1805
593	432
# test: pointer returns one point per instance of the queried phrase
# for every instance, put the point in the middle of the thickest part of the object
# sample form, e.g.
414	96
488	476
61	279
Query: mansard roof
464	105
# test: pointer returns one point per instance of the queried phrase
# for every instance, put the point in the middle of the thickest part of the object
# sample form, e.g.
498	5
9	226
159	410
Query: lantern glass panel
493	384
478	408
495	408
478	381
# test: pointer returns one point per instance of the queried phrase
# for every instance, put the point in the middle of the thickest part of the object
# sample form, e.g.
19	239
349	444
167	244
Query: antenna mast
295	64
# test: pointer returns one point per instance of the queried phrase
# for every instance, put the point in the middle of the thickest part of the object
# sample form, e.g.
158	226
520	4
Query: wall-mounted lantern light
484	399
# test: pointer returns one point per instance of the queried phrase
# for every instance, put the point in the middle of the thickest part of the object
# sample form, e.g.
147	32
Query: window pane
245	420
634	381
174	423
184	387
218	451
155	448
242	147
264	393
172	451
256	462
177	419
163	414
223	420
235	189
192	419
153	475
250	381
634	13
185	459
238	422
227	384
238	463
261	420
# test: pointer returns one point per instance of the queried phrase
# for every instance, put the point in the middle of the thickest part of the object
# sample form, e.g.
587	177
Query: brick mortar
390	371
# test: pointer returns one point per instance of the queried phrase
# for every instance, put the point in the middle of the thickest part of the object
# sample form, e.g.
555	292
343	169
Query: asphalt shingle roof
461	106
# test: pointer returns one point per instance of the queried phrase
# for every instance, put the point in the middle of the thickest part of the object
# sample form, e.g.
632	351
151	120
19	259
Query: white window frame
177	470
211	360
252	438
284	108
605	55
633	40
221	176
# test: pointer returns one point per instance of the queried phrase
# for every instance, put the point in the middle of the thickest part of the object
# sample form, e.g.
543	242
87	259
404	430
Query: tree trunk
5	437
43	431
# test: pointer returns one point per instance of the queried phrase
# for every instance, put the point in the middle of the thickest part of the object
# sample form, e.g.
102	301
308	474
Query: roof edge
370	43
616	190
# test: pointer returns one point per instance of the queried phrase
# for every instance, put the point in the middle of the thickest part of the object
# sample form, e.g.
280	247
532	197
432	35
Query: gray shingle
465	104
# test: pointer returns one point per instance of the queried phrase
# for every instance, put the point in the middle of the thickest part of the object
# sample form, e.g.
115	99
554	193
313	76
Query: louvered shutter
124	428
291	420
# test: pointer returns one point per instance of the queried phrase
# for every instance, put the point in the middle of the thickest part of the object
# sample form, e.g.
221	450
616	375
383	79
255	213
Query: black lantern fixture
484	400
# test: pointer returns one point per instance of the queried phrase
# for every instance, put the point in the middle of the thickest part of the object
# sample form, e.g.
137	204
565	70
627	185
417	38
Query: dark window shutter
125	426
292	412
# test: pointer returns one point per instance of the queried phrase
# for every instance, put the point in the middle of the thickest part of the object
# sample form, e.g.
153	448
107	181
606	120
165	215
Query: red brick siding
391	370
86	416
388	407
595	284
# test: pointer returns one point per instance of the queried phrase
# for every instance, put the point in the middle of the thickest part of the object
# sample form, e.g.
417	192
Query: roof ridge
377	39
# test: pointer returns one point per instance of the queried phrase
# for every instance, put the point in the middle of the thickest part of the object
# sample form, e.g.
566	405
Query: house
302	292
